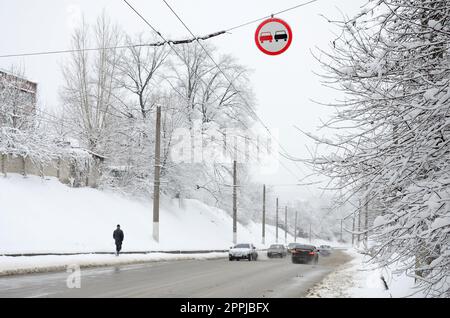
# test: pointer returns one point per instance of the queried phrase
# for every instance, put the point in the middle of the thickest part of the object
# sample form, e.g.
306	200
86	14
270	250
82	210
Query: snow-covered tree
88	93
22	130
392	132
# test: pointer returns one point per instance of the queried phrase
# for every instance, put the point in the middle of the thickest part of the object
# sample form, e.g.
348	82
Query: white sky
284	85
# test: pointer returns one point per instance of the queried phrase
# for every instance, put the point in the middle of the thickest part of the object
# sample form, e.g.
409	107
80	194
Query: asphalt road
202	278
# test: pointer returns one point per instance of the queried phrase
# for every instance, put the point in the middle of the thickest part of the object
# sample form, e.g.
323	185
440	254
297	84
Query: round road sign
273	36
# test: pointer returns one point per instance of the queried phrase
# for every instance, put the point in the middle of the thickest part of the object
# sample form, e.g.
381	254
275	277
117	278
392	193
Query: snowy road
194	278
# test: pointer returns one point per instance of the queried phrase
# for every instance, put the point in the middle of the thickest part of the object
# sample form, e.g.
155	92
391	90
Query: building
70	164
17	100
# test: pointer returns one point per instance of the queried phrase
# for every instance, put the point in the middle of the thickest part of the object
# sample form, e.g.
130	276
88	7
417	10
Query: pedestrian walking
118	238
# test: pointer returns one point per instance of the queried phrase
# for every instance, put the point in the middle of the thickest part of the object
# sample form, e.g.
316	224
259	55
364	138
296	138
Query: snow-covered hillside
41	216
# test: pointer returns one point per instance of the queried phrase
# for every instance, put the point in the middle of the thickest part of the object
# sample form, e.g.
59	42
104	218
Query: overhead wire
249	108
155	44
269	16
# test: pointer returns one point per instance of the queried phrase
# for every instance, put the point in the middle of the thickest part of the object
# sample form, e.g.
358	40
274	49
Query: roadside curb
112	253
63	267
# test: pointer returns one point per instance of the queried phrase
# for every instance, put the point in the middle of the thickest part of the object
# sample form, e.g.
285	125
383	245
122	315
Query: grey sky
283	84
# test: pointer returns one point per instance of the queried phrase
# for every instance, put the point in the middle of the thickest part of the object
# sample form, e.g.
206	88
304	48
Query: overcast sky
284	85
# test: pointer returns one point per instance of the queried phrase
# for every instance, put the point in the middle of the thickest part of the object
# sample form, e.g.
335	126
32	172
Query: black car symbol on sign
280	35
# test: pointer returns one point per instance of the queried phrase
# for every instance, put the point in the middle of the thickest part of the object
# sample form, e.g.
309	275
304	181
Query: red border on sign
288	28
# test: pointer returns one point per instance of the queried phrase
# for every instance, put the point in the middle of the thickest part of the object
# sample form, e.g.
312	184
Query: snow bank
358	279
45	216
35	264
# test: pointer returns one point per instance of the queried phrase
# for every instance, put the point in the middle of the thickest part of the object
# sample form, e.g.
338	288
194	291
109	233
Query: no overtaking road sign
273	36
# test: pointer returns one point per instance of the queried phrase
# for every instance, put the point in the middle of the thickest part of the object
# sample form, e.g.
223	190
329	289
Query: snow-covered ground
45	216
42	216
359	279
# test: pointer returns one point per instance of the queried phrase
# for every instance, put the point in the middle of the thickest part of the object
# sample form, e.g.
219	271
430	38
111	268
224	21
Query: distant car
276	250
305	254
290	247
325	250
243	251
281	35
265	36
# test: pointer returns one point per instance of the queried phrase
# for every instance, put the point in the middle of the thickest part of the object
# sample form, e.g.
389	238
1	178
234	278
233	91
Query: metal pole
295	234
264	216
359	227
366	221
156	176
234	204
285	224
309	233
353	230
276	228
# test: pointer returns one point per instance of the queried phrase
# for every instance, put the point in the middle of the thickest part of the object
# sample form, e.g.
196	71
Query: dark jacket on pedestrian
118	236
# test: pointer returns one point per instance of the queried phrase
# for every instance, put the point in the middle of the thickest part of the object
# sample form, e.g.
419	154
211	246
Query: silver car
243	251
276	250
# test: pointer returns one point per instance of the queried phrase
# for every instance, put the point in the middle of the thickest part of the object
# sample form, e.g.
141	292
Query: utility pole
264	216
366	221
157	174
359	227
295	233
276	228
285	224
310	233
353	230
341	230
234	204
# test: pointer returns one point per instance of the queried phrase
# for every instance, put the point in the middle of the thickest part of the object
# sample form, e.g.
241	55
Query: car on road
276	250
243	251
280	35
325	250
265	36
305	254
290	247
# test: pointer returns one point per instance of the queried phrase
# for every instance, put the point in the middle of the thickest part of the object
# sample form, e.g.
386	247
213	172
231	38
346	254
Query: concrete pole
285	224
264	216
276	228
366	222
157	175
359	228
353	230
309	233
234	203
295	234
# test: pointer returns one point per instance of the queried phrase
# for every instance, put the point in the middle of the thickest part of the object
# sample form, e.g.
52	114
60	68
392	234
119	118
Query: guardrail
112	253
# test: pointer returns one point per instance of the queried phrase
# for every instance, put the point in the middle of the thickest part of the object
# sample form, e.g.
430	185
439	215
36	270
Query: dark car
280	35
276	250
325	250
290	247
305	254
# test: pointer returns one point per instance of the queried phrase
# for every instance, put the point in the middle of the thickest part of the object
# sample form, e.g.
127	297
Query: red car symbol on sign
265	36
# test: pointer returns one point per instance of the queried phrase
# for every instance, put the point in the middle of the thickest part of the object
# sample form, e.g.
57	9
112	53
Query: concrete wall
63	169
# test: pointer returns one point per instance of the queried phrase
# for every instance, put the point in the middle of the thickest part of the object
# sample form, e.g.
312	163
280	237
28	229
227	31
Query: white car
243	251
